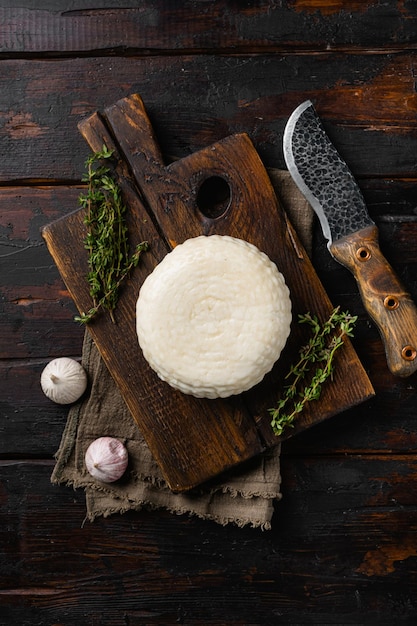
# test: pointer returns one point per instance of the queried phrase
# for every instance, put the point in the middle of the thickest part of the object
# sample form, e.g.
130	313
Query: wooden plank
26	413
37	321
253	214
23	212
35	305
192	440
356	95
349	514
301	25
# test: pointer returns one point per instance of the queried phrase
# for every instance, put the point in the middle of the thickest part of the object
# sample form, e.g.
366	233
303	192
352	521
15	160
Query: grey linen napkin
243	496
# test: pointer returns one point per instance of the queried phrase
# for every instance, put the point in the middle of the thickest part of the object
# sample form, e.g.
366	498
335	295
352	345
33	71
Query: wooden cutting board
222	189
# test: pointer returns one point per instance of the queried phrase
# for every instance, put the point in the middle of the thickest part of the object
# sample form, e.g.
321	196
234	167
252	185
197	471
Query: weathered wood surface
318	566
58	26
209	436
343	546
194	100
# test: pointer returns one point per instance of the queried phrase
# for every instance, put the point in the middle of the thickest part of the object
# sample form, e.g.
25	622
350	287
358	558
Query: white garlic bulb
106	459
64	380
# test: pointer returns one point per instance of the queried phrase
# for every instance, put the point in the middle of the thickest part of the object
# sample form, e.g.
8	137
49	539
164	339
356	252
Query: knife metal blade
327	183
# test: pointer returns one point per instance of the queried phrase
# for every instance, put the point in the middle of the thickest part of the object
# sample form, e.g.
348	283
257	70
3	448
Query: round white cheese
213	317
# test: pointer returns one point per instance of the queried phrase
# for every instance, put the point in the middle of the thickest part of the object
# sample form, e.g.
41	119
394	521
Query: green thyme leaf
306	382
109	259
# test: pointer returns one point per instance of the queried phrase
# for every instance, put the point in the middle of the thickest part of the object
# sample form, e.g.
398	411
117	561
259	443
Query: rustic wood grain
195	100
57	27
385	298
319	549
342	545
31	426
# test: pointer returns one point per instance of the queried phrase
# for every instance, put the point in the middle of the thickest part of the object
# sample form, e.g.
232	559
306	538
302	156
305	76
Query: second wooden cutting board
222	189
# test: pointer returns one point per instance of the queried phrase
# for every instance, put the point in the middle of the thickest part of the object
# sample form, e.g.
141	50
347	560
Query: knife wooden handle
384	297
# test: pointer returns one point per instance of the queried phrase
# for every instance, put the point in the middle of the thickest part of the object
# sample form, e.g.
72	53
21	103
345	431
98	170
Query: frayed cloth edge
149	506
76	483
223	488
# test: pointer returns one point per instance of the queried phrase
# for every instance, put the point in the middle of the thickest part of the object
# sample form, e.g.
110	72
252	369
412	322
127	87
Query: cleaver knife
327	183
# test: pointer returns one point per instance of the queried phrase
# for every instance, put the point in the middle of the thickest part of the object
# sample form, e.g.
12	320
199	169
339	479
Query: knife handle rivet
363	254
391	303
409	353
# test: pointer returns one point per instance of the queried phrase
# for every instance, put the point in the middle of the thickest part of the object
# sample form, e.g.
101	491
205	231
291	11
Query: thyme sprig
314	366
109	259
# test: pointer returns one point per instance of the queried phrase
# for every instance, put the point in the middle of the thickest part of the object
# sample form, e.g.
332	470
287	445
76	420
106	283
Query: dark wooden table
343	544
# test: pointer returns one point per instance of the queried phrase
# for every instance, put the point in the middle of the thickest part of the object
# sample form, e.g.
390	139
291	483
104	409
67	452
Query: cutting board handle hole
214	197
